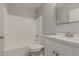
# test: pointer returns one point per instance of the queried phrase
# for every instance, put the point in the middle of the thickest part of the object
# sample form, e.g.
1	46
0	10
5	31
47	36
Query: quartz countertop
74	41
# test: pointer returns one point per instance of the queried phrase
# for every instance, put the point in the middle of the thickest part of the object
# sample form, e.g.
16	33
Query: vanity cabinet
52	52
76	51
1	47
54	47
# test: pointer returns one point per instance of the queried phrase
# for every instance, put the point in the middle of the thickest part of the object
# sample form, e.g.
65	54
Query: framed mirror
67	13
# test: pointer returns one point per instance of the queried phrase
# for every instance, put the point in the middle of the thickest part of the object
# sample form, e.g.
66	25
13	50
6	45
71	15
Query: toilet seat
35	47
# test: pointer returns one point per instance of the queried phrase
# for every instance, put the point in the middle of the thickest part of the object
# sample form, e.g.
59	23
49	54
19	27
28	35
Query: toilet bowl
35	48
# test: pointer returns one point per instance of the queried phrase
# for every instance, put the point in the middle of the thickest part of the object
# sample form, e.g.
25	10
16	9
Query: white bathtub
17	52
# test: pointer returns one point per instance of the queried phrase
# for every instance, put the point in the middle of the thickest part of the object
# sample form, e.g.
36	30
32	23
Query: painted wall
71	27
49	21
1	19
1	28
19	31
48	13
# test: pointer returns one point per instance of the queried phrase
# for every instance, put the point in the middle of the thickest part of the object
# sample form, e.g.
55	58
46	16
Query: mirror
67	13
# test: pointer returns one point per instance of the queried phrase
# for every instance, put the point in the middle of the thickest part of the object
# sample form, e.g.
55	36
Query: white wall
19	31
48	13
1	19
47	9
71	27
1	28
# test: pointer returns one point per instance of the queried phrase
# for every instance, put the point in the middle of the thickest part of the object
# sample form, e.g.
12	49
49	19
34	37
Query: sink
61	36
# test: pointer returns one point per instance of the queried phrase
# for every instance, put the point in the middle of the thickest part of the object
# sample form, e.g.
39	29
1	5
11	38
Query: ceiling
23	9
29	6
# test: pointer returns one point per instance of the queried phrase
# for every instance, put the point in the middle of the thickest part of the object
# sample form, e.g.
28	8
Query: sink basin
64	37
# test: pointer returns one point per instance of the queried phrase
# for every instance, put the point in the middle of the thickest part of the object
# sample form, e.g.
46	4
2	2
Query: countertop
74	41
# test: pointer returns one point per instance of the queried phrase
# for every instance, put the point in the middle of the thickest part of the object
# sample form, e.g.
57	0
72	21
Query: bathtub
17	52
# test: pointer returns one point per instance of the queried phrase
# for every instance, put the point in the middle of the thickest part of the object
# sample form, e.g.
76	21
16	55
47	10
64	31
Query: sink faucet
69	34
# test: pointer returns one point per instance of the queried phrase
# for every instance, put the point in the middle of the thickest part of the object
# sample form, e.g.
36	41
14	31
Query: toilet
36	50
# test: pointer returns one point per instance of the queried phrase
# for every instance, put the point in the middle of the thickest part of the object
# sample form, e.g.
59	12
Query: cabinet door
59	46
75	51
48	51
1	47
52	52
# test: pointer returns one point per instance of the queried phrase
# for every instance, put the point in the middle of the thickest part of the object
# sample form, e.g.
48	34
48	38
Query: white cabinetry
1	47
52	52
76	51
50	49
53	47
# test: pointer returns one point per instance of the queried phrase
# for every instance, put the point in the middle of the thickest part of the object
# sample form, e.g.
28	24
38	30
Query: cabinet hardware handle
1	37
53	52
57	54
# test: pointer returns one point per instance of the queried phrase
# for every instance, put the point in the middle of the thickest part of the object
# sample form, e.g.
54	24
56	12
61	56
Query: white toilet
36	49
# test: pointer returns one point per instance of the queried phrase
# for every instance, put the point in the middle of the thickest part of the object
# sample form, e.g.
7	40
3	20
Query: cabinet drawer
48	51
52	52
61	47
